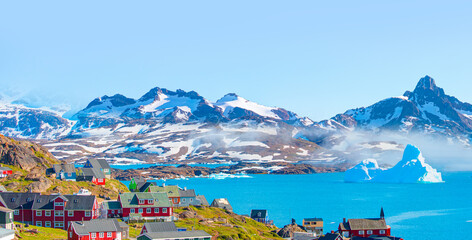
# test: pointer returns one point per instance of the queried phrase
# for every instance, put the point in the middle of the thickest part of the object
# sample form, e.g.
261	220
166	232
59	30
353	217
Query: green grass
43	233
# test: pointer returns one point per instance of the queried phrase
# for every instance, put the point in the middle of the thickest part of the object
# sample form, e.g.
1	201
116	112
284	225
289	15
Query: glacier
412	168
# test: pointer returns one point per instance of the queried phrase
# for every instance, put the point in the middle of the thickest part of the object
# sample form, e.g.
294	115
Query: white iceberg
411	169
363	172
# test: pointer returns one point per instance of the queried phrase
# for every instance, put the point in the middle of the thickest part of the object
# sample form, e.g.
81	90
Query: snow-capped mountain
427	109
33	123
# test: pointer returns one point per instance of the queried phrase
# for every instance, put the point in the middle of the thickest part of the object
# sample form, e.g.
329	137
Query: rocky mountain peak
427	87
228	97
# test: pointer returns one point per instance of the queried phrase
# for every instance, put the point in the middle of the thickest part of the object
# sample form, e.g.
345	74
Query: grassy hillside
219	223
19	182
42	233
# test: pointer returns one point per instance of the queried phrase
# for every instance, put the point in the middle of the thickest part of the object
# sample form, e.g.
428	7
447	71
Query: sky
316	58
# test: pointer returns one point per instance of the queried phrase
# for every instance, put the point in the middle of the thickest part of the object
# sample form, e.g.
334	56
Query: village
149	212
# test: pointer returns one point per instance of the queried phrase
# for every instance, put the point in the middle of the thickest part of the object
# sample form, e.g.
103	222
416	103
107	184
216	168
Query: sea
434	211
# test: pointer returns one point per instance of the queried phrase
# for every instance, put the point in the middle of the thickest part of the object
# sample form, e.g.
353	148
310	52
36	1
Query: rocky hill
29	162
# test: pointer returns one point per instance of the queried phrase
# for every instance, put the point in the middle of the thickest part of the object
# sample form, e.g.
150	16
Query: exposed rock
41	185
288	230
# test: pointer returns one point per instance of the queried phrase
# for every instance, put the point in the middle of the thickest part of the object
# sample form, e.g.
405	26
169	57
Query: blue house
101	165
260	216
65	172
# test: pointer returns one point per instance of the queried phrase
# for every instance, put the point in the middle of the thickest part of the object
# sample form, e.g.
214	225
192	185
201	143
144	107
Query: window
164	210
58	213
361	232
183	199
38	213
70	234
87	213
141	201
156	210
47	224
12	200
17	212
150	201
47	213
100	180
101	234
93	235
39	200
58	224
369	232
119	211
148	210
112	211
382	231
70	213
131	210
191	199
140	210
39	223
59	204
108	234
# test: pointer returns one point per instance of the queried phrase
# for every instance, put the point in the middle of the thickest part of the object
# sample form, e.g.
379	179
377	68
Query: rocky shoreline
172	172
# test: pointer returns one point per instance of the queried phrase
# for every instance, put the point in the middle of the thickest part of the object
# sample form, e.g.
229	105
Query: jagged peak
116	100
228	97
426	82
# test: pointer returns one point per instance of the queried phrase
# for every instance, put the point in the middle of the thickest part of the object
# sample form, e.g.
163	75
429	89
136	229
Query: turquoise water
414	211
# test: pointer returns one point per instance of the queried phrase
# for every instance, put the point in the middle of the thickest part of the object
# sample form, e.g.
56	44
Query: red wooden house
98	229
93	175
55	211
147	206
364	227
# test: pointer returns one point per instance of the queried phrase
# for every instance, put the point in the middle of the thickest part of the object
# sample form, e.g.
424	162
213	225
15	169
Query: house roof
13	200
91	172
361	224
202	200
160	227
5	168
99	163
67	168
74	202
222	203
258	213
112	205
313	219
330	236
144	186
171	190
96	225
6	232
187	193
132	199
173	235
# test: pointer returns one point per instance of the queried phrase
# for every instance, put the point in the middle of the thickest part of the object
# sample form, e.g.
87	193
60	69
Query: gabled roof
187	193
171	190
3	209
203	200
91	172
96	225
143	186
174	235
113	205
160	227
330	236
14	200
74	202
364	224
222	203
67	168
132	199
99	163
5	169
258	213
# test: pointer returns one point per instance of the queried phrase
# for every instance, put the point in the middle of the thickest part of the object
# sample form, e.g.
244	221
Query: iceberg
363	172
411	169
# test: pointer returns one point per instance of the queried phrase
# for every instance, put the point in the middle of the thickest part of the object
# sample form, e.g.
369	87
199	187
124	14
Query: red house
364	227
55	211
147	206
93	175
98	229
5	171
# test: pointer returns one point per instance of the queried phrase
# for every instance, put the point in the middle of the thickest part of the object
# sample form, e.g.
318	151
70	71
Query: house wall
126	212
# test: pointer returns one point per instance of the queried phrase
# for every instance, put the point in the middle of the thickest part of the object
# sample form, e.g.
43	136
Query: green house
6	218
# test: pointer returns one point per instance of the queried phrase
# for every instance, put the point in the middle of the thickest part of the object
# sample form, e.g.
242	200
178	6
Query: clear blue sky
316	58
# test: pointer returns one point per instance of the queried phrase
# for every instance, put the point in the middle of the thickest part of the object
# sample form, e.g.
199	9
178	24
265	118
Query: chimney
332	232
344	220
163	184
185	188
